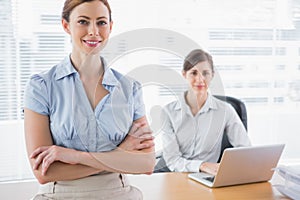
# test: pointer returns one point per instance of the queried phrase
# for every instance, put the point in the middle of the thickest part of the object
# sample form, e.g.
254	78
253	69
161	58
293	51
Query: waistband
90	183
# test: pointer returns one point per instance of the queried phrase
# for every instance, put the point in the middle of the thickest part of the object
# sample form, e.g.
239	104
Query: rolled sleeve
171	150
35	97
174	159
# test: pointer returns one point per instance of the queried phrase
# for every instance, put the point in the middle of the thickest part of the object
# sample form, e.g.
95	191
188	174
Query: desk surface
175	186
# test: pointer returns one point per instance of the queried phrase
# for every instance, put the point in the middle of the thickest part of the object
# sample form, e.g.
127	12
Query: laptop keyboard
209	178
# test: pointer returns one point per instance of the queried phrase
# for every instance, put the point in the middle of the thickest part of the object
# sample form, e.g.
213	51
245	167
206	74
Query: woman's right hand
46	155
139	137
209	167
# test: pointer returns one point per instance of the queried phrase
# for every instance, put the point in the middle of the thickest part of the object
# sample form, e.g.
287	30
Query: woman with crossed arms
85	124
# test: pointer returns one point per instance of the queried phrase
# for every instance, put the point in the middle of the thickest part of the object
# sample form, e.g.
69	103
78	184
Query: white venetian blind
31	40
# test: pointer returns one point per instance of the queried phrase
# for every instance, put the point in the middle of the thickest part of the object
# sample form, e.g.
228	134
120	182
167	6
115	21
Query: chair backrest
240	108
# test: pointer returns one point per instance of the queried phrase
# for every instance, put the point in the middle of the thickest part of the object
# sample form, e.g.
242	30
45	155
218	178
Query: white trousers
111	186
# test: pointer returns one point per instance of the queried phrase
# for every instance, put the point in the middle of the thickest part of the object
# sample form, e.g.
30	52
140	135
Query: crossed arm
135	154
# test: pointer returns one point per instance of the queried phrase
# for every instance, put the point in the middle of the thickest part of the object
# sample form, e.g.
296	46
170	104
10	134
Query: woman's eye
102	23
83	22
206	74
194	73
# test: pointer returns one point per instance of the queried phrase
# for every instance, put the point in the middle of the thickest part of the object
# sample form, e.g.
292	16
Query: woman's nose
93	30
200	77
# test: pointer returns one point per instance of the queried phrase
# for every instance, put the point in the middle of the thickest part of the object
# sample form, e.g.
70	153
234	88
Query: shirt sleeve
139	106
171	151
35	97
236	132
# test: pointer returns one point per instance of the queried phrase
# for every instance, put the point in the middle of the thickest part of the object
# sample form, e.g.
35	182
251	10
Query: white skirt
111	186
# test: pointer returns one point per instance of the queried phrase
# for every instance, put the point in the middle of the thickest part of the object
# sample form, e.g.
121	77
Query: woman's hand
46	155
139	137
211	168
135	154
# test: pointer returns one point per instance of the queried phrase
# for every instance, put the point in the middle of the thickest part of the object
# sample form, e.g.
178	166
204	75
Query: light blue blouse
59	93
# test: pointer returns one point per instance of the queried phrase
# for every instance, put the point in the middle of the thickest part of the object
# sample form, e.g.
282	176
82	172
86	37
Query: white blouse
189	140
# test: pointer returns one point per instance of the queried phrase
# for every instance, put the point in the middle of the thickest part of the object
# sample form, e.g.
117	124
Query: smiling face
199	77
89	27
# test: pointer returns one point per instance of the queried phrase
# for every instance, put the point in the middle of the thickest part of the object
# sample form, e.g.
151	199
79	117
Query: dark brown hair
71	4
196	56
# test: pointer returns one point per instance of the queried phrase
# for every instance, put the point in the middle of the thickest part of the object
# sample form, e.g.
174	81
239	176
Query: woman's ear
183	73
111	25
65	26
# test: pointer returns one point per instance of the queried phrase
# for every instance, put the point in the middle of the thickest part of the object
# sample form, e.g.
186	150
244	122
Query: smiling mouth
200	86
91	42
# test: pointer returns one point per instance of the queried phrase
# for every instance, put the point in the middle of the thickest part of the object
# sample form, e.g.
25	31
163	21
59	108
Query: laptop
243	165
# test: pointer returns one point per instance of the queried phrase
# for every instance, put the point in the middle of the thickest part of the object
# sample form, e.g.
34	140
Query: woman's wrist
81	157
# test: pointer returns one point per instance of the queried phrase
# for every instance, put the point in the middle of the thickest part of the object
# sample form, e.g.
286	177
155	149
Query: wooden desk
177	186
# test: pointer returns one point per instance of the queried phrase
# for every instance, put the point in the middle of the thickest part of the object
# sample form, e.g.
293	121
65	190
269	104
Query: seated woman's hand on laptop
209	167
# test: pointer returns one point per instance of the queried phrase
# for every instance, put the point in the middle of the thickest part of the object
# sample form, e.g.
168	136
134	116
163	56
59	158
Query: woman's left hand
139	137
46	155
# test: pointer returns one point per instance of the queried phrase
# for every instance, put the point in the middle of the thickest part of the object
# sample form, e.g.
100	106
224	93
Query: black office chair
161	165
239	107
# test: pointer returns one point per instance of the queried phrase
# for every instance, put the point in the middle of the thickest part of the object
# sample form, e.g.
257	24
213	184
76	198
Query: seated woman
193	126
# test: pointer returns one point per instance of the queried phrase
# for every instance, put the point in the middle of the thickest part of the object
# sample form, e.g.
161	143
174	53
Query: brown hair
71	4
196	56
